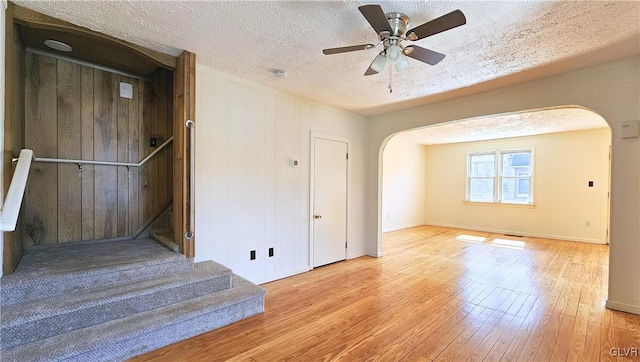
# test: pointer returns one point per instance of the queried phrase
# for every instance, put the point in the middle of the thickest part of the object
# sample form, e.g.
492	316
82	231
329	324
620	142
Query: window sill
504	204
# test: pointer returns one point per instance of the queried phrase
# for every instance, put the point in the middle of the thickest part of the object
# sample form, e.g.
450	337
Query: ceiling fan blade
375	16
435	26
425	55
351	48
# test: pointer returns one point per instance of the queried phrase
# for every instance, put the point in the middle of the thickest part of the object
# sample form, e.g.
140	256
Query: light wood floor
432	297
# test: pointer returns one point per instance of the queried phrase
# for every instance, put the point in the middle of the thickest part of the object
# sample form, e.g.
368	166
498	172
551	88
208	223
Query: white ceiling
503	42
506	126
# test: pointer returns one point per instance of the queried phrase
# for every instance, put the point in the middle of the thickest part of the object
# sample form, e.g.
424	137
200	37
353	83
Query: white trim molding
623	307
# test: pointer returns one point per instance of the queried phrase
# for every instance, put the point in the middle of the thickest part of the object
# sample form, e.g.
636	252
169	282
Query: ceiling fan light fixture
394	54
379	63
402	64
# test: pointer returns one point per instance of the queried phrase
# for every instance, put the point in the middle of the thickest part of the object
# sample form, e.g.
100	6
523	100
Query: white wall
563	165
248	197
403	183
611	90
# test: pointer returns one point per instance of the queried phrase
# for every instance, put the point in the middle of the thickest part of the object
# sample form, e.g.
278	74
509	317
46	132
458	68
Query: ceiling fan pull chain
390	79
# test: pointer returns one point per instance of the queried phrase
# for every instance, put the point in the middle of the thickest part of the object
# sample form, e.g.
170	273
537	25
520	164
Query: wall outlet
126	90
252	255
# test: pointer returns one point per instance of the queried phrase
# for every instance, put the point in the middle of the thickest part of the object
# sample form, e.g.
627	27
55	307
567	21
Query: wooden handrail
11	206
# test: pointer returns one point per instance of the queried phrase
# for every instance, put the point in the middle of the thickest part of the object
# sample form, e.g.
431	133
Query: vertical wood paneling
287	248
105	149
123	156
87	124
270	182
135	117
144	175
218	160
76	112
252	179
162	135
154	195
236	174
14	104
41	196
184	97
169	90
69	104
251	197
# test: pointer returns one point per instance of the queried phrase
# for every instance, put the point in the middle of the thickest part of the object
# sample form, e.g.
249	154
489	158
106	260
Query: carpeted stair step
164	236
139	333
46	272
27	322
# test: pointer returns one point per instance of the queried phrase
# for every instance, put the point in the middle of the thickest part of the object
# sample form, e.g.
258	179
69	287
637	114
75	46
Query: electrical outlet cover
126	90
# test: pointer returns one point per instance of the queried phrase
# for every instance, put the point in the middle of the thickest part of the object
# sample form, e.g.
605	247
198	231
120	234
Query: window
506	181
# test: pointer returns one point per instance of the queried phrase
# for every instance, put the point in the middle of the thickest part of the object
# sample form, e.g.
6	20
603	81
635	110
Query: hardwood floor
433	297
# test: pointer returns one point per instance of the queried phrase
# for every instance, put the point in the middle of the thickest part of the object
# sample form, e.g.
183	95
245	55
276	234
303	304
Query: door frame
184	107
331	137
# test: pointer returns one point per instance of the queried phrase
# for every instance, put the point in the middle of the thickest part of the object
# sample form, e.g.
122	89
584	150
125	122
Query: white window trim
497	178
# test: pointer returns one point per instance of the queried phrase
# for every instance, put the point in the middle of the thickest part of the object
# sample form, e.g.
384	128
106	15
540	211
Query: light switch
630	129
126	90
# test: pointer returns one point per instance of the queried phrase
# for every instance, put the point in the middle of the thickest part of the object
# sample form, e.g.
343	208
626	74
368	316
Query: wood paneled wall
13	123
249	197
75	112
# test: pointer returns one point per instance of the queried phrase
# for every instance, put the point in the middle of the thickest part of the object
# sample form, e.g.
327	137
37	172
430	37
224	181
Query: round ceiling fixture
280	73
58	45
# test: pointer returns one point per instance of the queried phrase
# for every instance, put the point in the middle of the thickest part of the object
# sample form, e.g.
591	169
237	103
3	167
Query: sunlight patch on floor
511	244
471	238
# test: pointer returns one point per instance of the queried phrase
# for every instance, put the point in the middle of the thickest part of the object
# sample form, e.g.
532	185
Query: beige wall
248	195
564	163
403	184
612	90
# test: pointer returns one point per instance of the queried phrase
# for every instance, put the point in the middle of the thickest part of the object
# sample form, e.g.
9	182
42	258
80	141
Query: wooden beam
13	123
184	97
36	20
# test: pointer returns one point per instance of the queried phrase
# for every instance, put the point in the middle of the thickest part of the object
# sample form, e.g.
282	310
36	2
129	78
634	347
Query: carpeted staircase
108	301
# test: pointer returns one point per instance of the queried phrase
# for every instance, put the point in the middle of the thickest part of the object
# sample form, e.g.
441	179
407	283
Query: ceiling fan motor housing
398	22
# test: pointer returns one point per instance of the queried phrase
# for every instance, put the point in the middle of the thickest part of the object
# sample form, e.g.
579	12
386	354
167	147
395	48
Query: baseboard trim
623	307
402	227
533	235
283	275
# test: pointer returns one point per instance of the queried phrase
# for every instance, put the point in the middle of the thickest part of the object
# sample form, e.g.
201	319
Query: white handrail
104	163
11	206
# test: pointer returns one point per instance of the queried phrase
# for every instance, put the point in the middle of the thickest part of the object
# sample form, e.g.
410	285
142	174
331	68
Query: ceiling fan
392	31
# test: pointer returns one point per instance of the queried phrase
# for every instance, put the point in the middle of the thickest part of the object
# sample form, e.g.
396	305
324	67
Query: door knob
317	216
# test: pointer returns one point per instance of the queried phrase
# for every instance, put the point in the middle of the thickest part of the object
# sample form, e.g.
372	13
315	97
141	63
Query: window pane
482	165
481	189
516	164
515	190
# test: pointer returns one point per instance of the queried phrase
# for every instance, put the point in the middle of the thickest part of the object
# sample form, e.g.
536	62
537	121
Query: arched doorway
547	175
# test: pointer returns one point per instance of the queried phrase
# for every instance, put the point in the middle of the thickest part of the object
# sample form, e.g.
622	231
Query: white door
329	201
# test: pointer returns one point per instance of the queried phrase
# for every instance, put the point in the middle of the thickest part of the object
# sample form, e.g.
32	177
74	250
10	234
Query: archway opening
539	173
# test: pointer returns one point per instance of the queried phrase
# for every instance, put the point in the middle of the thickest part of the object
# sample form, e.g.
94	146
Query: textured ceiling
507	126
503	42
